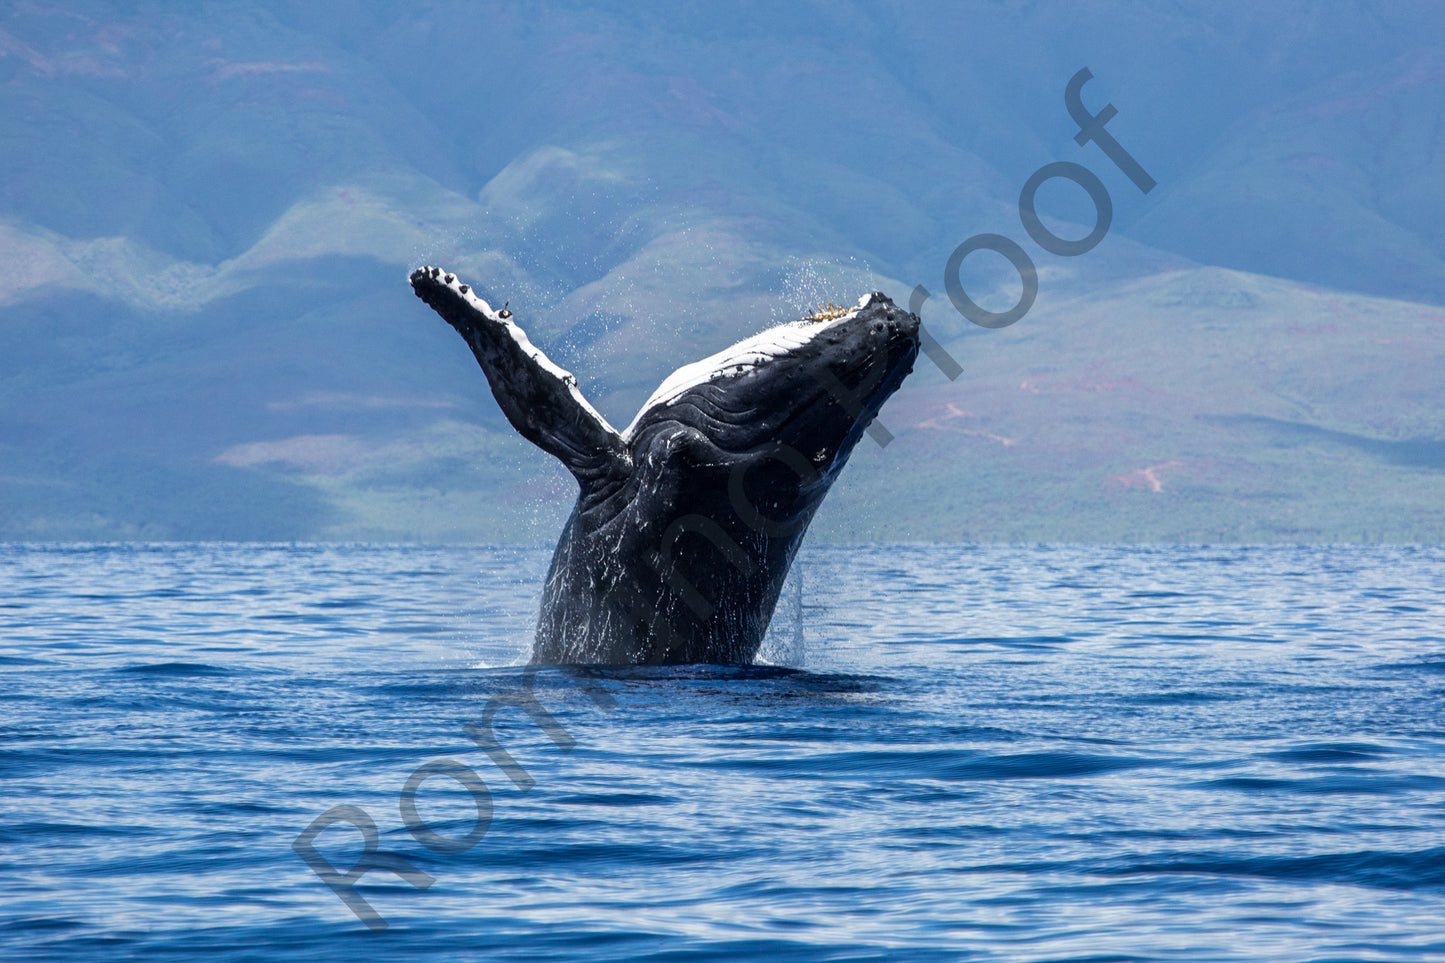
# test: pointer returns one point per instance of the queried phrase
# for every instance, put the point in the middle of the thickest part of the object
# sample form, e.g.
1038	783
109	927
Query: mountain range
207	218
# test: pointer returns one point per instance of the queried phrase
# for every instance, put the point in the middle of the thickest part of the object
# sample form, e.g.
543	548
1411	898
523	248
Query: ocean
946	752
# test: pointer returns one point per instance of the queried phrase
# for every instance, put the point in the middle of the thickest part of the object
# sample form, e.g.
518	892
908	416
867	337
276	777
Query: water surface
953	753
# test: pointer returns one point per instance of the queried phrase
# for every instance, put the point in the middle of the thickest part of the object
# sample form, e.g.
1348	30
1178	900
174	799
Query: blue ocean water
963	752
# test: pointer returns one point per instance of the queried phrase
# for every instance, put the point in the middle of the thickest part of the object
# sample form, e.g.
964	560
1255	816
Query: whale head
784	408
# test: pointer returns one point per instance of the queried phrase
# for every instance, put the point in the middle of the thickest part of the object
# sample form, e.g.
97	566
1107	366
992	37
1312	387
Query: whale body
687	521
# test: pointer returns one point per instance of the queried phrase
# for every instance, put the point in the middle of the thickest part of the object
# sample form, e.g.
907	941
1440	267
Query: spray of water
809	283
786	643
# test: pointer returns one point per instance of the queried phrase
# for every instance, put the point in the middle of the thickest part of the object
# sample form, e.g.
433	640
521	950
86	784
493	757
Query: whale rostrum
686	521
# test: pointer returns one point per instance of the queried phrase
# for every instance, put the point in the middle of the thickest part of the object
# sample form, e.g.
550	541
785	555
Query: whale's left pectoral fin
540	399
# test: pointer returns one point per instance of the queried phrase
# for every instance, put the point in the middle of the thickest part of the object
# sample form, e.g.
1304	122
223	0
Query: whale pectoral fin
540	399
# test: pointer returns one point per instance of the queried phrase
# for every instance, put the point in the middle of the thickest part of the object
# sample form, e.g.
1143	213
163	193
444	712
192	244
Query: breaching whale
687	521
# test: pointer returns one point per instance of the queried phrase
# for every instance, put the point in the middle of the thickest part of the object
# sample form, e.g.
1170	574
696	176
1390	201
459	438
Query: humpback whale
687	521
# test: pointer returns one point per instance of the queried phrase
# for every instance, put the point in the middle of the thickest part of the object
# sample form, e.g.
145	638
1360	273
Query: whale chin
686	523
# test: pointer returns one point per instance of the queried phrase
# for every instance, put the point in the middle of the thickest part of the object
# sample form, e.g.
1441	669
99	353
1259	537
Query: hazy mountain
207	218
